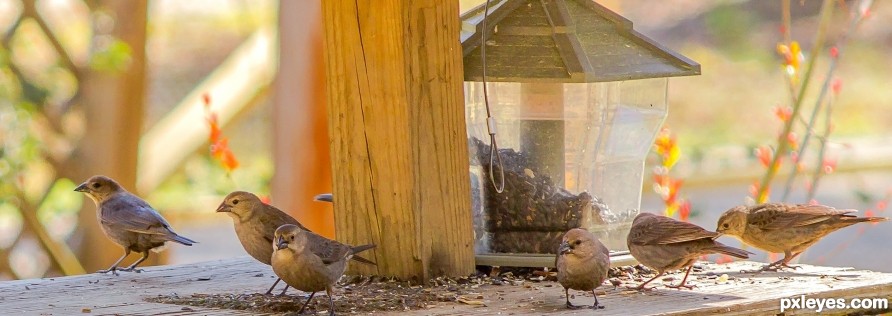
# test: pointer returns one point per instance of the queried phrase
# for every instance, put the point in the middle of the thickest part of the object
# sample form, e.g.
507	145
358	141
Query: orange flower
220	151
219	144
215	128
829	165
836	86
229	162
793	140
219	147
667	147
783	113
793	58
764	153
684	210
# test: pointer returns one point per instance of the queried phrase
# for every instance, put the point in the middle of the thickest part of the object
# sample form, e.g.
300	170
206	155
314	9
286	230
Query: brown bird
309	262
128	221
255	225
787	228
582	263
667	244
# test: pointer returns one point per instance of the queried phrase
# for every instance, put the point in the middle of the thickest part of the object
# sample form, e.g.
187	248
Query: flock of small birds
312	263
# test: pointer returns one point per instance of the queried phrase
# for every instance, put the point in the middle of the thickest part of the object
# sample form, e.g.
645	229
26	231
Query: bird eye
578	242
96	185
292	237
725	225
234	202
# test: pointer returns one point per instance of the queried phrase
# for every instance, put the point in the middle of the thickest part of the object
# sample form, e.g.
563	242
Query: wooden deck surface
125	294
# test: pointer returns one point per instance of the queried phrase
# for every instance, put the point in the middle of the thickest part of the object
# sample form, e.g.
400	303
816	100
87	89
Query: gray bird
667	244
582	263
255	225
309	262
128	221
786	228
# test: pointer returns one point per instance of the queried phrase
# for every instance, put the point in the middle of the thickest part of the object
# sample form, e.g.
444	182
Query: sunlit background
719	118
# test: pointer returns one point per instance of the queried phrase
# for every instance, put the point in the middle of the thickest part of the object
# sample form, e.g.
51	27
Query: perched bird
667	244
309	262
787	228
255	225
582	263
128	221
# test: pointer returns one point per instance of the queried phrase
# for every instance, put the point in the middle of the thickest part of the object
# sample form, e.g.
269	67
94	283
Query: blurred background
130	89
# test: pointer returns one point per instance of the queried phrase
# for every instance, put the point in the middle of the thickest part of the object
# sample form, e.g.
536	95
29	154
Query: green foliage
115	56
726	24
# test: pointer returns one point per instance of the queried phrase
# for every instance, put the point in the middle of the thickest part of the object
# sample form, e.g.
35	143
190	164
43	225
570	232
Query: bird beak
281	244
82	188
224	208
565	248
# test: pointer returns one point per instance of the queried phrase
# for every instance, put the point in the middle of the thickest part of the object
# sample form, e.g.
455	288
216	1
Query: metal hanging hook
494	154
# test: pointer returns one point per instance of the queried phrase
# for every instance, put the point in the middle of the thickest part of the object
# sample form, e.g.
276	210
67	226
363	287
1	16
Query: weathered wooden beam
300	124
397	128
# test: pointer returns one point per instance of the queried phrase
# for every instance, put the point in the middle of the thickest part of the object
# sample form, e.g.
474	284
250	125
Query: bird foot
778	267
597	307
571	306
679	286
131	269
113	271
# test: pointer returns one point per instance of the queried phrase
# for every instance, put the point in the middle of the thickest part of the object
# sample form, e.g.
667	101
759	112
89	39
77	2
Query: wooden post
114	104
398	138
303	167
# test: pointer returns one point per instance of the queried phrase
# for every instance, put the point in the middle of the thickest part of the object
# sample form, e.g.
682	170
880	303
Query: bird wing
328	250
780	216
129	212
272	218
659	230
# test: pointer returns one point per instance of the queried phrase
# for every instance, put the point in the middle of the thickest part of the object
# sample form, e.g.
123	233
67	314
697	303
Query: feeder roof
563	41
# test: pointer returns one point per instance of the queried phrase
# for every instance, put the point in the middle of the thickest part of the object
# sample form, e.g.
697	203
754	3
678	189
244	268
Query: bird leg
569	305
284	290
596	305
132	267
642	288
274	286
331	307
683	280
782	263
305	304
115	265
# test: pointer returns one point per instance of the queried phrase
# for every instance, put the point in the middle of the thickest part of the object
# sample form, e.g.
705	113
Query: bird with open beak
582	263
128	221
309	262
786	228
667	244
255	225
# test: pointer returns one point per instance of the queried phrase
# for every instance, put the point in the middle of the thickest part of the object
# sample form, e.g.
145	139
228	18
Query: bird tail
865	219
182	240
325	197
362	248
731	251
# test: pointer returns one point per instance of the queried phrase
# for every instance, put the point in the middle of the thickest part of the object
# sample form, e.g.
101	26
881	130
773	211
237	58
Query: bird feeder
578	97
